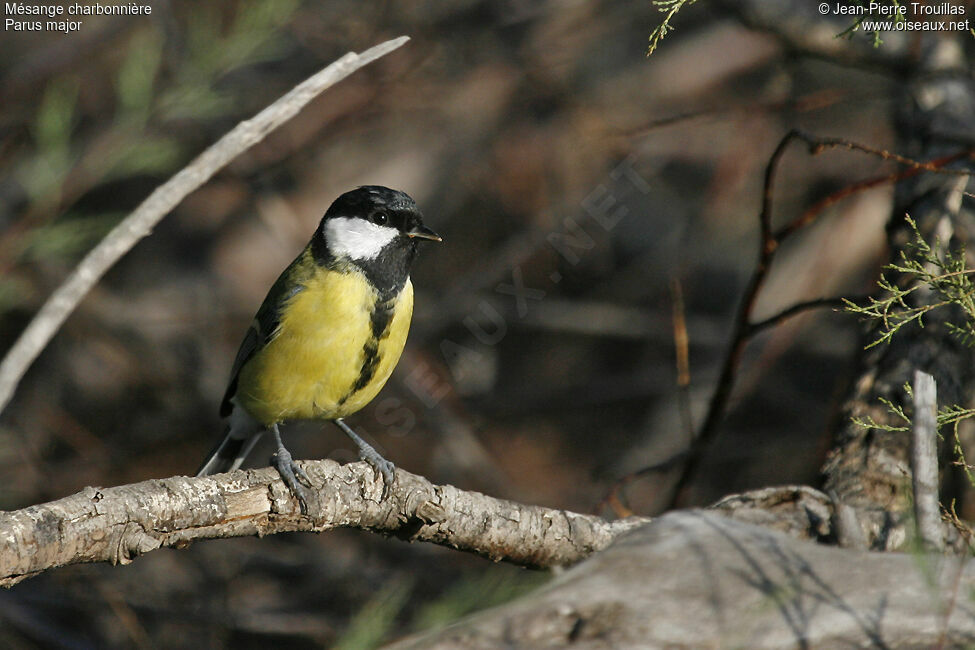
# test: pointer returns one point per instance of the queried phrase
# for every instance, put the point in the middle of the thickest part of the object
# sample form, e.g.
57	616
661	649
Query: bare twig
924	461
615	497
770	239
797	309
141	221
117	524
769	243
739	337
813	211
681	349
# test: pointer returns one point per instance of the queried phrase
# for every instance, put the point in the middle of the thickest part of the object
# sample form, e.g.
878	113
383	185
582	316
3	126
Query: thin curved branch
120	523
769	242
167	196
798	308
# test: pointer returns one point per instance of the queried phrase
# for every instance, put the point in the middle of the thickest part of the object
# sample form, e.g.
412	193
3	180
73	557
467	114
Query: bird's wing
263	329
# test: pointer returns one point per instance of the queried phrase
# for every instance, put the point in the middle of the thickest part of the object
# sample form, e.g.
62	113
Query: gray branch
924	461
120	523
689	578
166	197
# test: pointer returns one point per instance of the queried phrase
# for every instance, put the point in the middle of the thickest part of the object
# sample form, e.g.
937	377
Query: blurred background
574	181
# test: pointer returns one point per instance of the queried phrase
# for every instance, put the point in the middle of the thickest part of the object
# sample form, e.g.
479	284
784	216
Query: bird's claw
381	468
380	465
293	476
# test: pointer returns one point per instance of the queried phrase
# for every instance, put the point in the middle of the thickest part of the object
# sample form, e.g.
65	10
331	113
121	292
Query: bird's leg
379	464
293	475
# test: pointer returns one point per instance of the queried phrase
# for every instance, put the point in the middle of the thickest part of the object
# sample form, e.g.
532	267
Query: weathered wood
120	523
696	579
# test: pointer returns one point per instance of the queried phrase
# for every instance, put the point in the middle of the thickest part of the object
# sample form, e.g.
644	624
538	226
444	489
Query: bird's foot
380	465
293	476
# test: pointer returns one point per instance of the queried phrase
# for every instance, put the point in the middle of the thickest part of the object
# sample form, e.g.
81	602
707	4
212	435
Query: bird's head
375	229
373	222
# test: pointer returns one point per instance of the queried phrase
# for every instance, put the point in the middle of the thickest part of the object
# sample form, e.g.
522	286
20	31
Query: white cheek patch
357	239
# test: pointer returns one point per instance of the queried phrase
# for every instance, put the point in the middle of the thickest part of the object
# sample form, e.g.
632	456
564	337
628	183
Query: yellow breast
314	366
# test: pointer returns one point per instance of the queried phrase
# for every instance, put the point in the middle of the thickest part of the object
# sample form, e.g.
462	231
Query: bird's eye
380	218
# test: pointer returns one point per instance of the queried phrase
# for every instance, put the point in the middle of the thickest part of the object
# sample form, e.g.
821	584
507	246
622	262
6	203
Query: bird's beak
422	232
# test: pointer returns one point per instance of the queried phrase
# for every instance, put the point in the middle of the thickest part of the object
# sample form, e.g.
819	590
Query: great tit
328	334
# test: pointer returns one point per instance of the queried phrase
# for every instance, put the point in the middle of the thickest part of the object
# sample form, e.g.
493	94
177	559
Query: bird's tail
242	434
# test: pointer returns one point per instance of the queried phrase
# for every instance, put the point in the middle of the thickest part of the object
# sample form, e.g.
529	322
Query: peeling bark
118	524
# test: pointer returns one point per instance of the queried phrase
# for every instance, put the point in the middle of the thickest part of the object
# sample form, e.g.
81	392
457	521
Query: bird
328	335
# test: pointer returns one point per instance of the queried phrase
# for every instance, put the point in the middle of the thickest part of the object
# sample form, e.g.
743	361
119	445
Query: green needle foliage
669	8
897	411
942	274
948	416
924	269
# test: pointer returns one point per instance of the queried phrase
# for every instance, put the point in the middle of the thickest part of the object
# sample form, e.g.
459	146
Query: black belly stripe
380	318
